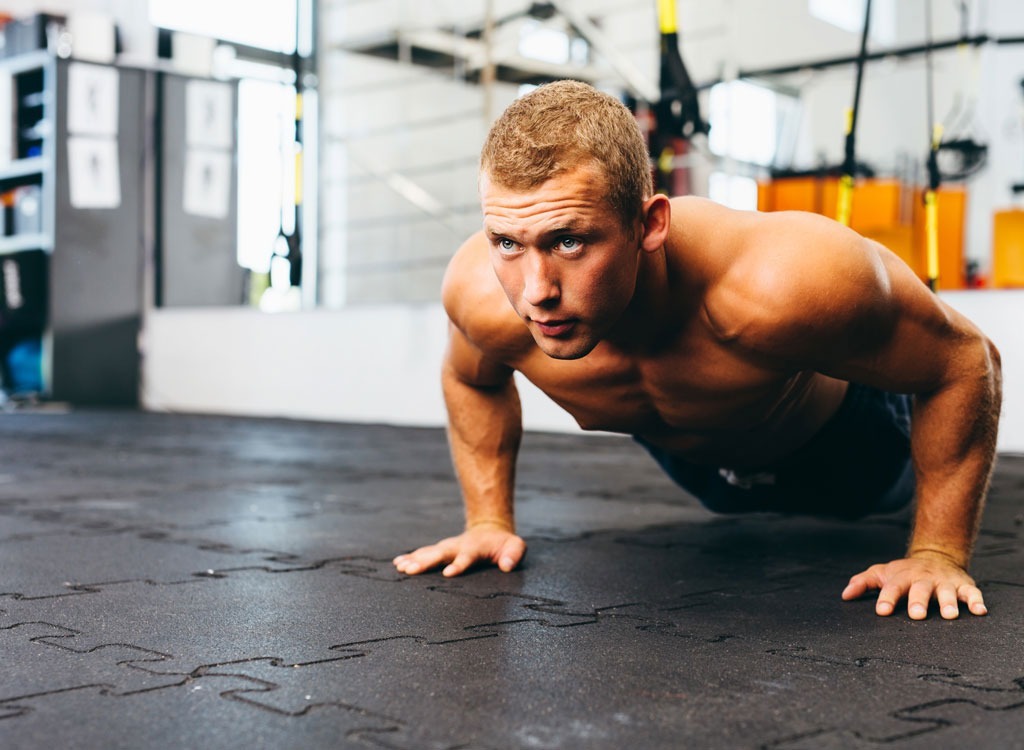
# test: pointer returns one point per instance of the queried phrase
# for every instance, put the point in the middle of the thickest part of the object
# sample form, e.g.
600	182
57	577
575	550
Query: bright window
266	169
543	42
270	25
733	191
849	16
743	122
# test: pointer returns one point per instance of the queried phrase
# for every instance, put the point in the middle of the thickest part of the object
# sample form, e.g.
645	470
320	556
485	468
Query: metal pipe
489	71
833	62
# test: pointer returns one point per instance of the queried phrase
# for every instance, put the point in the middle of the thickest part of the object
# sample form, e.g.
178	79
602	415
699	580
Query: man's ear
657	220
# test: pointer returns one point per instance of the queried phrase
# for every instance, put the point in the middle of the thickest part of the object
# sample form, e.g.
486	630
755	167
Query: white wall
368	363
381	364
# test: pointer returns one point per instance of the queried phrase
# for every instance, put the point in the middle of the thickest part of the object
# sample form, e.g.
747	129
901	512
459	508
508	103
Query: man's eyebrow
569	227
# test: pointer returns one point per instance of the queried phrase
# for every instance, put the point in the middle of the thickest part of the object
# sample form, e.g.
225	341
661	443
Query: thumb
511	553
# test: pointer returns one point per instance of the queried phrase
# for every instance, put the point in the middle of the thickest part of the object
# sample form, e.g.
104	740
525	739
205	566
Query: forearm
484	433
953	446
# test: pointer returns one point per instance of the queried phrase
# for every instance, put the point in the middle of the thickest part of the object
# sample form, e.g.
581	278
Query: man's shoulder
476	304
794	275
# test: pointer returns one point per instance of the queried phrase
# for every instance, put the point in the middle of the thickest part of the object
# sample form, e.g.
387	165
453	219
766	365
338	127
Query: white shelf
23	62
23	168
18	243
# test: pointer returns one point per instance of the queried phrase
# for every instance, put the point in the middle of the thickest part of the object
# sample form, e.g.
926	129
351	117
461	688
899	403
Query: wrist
953	555
497	522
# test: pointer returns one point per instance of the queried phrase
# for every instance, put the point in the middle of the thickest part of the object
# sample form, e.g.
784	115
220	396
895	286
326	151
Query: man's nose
540	287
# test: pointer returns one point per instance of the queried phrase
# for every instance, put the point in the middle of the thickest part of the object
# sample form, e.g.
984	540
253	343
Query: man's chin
573	349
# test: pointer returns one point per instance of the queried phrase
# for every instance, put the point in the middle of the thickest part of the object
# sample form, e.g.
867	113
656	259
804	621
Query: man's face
563	257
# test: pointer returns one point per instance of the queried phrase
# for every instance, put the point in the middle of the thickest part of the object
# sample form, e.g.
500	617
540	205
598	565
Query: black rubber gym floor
182	581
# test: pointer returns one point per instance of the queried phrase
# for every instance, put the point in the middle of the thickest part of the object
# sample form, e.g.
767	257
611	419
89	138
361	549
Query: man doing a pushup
767	361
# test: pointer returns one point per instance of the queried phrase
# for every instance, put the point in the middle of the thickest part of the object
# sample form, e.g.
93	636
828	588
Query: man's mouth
555	328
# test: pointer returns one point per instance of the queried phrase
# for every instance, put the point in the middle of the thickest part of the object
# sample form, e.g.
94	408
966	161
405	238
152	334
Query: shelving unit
27	164
80	267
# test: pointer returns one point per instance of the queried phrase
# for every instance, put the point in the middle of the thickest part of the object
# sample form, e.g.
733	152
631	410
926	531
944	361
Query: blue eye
506	245
569	243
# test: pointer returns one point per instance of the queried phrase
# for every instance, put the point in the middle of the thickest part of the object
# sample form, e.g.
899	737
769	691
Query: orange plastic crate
1008	248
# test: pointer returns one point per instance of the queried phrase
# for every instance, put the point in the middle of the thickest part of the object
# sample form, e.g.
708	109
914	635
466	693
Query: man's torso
700	400
696	394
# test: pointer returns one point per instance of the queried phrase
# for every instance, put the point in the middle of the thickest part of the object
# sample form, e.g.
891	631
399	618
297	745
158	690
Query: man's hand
481	543
919	578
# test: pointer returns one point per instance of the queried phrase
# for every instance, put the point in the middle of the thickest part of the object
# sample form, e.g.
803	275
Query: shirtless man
762	359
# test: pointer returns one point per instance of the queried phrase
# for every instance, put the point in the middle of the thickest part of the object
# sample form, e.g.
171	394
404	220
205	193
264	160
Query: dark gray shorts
858	463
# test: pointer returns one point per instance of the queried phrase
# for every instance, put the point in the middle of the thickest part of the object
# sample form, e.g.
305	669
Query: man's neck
647	322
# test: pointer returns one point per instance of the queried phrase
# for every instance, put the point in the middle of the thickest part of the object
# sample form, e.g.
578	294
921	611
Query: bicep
851	309
470	365
473	304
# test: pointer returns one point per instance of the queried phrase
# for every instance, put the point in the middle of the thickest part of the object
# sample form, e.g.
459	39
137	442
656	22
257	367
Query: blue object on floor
25	365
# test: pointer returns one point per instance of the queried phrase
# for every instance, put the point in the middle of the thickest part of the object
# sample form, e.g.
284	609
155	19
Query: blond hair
563	125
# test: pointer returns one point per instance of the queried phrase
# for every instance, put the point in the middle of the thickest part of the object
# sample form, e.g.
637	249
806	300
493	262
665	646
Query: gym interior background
225	225
374	183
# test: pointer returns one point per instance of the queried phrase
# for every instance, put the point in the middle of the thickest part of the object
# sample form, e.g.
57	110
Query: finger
887	598
860	583
511	554
946	596
917	599
424	559
856	588
975	601
459	565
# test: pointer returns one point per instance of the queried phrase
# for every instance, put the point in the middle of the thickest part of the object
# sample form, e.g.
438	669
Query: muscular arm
953	446
877	324
484	430
953	438
484	426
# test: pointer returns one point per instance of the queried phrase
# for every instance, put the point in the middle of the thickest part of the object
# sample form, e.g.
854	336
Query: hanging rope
845	206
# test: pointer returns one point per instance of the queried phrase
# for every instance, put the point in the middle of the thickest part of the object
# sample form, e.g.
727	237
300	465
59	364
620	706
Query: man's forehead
575	187
587	173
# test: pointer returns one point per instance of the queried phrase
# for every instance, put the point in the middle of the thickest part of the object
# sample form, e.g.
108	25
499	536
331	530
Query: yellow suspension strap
931	206
844	209
846	179
677	111
667	16
931	212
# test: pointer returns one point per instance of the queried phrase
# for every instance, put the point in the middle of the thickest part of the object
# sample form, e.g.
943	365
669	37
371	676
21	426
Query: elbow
995	359
981	370
995	367
977	367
